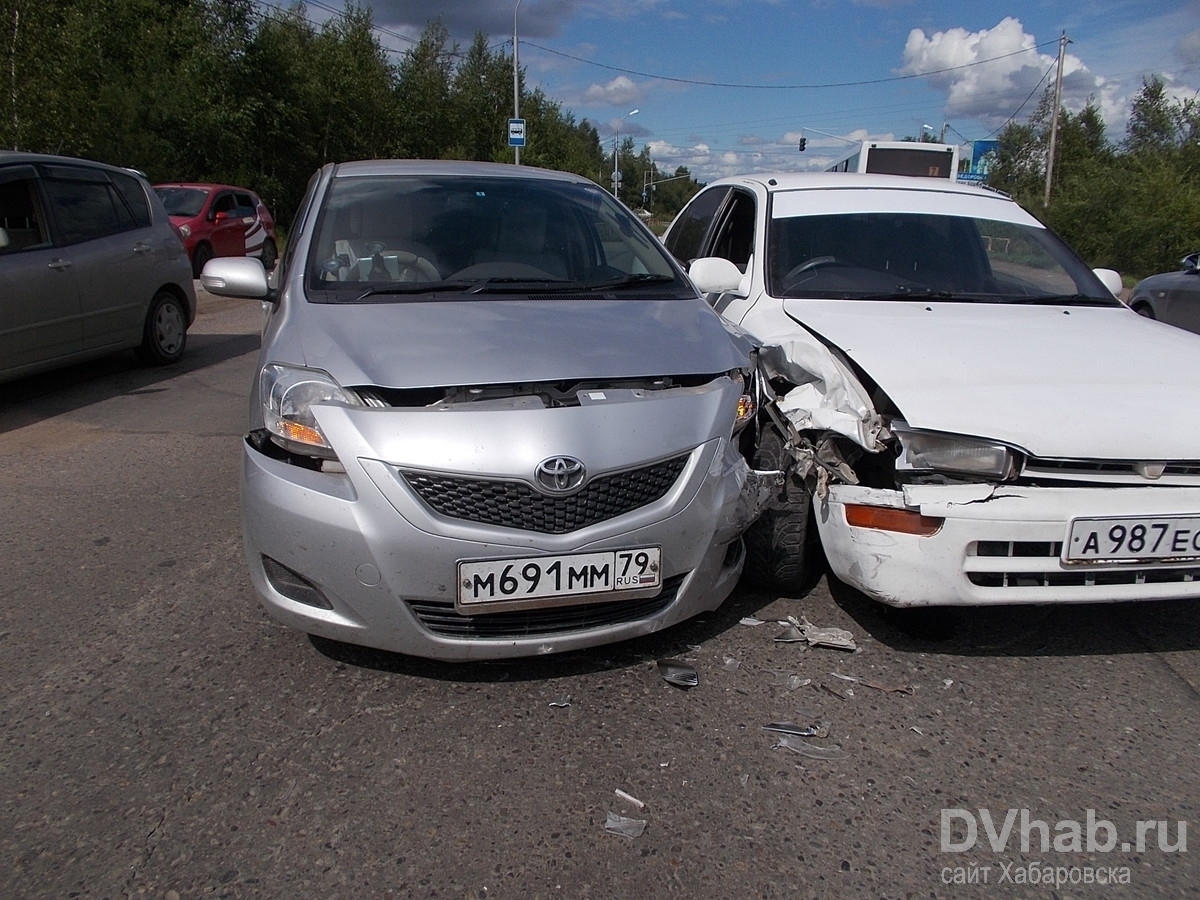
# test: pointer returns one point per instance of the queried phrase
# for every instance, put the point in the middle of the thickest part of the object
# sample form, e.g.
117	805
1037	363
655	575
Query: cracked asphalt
162	737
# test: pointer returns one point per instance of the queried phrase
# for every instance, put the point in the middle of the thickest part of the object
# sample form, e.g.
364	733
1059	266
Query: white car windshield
884	255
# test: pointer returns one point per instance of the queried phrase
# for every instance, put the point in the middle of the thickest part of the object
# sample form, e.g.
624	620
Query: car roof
790	181
452	167
203	186
17	157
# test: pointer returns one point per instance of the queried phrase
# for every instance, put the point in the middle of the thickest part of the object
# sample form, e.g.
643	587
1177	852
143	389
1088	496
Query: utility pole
516	82
1062	52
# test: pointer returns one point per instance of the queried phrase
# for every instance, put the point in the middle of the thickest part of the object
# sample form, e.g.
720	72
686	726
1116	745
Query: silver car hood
1078	382
495	341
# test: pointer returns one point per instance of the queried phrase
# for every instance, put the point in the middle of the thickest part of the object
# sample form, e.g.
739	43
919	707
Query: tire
778	544
1143	309
270	254
165	333
202	254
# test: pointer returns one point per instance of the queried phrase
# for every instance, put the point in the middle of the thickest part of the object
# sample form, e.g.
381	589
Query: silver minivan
89	265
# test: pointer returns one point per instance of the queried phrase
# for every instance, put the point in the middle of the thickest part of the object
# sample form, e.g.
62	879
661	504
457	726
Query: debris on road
624	826
818	731
790	742
632	799
561	700
678	673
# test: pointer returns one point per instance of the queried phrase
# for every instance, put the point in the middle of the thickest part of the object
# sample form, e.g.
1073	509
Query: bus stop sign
516	132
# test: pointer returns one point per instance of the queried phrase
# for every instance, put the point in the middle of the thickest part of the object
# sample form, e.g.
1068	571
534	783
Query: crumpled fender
826	395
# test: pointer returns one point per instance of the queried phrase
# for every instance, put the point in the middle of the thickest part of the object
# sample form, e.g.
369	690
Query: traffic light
803	144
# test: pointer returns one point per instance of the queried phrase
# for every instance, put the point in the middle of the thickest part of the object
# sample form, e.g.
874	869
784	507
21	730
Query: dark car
89	265
1171	297
220	220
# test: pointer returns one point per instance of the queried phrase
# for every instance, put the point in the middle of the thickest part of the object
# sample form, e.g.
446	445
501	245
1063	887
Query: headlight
747	406
288	395
953	454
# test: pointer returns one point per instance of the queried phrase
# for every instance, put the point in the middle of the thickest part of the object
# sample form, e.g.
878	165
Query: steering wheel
411	267
816	262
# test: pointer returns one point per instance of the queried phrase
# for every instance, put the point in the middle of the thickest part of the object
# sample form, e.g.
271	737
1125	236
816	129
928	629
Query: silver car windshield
382	237
903	255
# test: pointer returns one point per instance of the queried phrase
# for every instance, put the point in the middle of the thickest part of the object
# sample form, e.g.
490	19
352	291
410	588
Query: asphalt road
162	737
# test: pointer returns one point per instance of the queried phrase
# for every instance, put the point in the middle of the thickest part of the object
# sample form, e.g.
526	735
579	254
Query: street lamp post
516	83
616	131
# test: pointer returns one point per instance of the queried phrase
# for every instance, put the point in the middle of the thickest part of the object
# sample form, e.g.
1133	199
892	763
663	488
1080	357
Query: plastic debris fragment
731	664
561	700
632	799
791	635
678	673
750	620
793	743
818	731
624	826
837	638
877	685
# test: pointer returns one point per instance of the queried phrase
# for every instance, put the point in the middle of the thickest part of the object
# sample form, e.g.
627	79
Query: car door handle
59	264
141	247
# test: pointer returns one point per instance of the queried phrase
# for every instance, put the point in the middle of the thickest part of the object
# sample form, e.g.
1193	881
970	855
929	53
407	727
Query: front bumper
384	563
999	545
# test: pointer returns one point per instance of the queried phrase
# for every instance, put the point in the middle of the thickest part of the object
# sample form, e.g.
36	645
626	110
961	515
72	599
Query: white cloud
992	91
621	91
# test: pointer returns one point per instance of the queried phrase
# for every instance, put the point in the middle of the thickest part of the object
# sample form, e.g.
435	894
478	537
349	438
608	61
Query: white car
970	414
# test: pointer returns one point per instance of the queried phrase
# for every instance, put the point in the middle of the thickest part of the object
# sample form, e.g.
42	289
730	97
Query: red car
220	220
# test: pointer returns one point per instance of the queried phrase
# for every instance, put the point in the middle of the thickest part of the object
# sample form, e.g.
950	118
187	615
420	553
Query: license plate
1133	538
493	581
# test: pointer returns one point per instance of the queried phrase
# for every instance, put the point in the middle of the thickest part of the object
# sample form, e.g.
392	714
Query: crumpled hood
1080	382
493	341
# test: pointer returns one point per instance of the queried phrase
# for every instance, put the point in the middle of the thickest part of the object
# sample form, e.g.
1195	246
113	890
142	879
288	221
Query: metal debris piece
877	685
624	826
632	799
678	673
790	742
832	690
750	620
561	700
818	731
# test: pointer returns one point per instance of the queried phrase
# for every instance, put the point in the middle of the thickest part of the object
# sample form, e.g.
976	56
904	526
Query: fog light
885	518
293	585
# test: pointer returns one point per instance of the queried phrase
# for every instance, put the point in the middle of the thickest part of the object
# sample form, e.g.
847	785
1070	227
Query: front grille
441	618
1031	574
1107	471
515	504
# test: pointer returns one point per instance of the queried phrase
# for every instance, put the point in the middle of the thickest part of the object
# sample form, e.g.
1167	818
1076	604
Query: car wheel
269	254
165	332
1143	309
778	544
202	254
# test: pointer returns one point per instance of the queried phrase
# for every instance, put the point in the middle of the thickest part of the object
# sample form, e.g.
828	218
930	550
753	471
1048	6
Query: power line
789	87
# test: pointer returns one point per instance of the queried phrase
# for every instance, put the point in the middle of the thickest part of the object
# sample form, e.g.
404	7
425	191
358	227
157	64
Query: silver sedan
492	418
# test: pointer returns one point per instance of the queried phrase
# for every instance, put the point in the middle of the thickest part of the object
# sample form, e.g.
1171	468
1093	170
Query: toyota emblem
559	475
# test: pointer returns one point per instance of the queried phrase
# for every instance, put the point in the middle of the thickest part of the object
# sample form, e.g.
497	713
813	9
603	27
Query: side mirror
714	275
236	276
220	216
1111	279
1191	262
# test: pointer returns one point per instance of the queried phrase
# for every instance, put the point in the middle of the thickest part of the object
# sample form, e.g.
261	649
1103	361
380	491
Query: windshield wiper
638	280
903	292
409	287
1067	300
514	284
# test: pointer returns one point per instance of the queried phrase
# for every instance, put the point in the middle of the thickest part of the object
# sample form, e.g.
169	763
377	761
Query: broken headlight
288	395
930	452
747	406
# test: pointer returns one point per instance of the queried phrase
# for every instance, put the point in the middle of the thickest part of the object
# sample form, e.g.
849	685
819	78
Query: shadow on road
37	397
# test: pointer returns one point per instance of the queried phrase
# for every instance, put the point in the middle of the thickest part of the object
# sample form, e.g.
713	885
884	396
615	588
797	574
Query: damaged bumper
364	556
997	544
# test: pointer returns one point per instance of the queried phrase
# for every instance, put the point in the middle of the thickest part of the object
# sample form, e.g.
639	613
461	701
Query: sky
729	87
